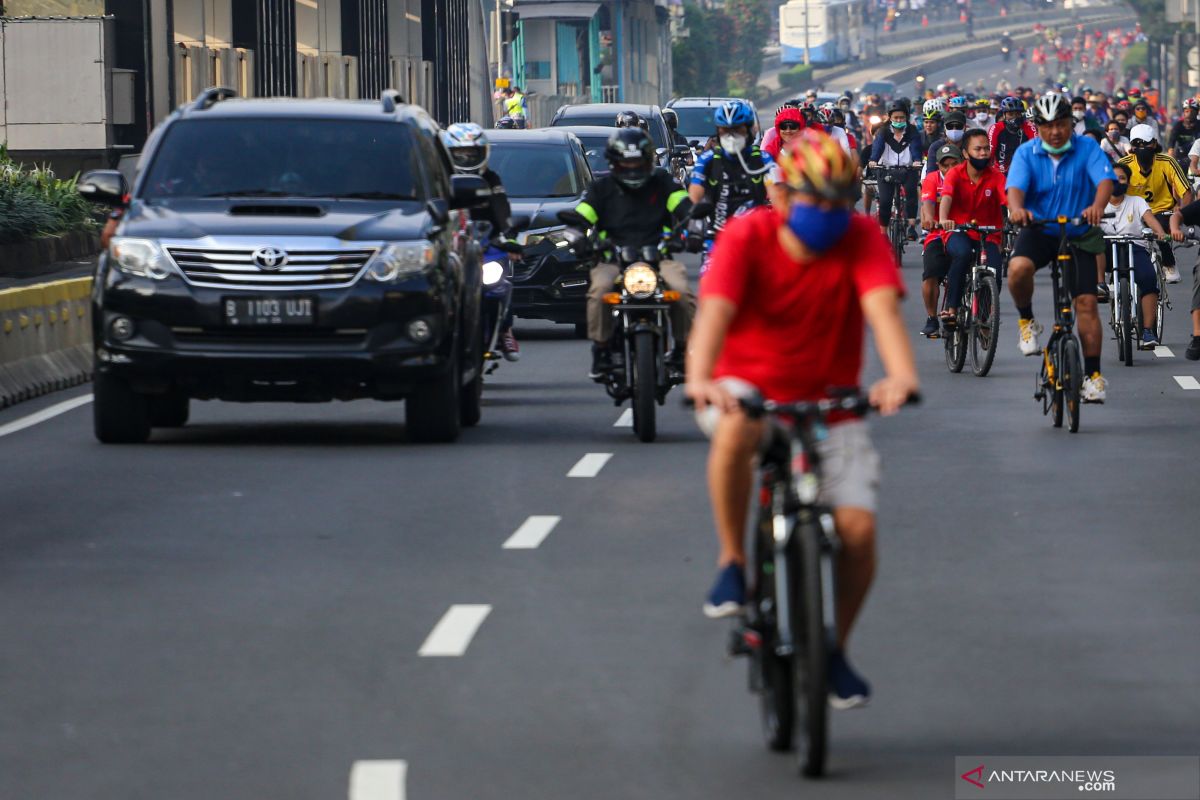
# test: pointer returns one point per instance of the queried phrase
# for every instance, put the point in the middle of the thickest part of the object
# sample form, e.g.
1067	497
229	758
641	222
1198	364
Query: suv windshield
696	122
535	170
278	157
605	121
593	148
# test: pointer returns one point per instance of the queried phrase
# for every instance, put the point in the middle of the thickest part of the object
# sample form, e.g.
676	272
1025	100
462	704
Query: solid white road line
452	635
1162	351
1187	382
45	414
625	420
532	533
378	780
589	466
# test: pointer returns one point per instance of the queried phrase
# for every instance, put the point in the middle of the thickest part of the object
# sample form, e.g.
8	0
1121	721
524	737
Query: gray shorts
849	462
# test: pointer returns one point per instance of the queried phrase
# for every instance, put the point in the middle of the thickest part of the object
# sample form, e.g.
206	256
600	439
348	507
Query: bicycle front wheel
1126	341
985	325
773	673
811	660
1071	364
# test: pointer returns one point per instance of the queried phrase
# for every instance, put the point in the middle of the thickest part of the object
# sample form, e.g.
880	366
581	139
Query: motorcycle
496	305
641	305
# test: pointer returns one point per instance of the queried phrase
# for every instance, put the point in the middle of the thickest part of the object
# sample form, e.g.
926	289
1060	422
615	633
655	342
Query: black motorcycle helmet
628	119
506	123
630	153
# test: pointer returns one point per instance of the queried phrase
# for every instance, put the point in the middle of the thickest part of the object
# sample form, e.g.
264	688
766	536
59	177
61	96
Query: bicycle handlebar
854	402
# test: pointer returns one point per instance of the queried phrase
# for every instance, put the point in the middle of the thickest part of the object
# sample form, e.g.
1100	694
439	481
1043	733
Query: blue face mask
817	228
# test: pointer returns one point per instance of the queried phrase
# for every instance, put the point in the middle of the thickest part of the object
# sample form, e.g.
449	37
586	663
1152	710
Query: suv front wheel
119	414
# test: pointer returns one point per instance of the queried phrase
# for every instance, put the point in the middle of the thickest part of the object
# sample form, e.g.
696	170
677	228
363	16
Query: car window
536	170
593	150
284	157
606	121
696	122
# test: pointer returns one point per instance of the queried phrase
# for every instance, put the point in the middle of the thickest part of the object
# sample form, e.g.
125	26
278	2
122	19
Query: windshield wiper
251	193
372	196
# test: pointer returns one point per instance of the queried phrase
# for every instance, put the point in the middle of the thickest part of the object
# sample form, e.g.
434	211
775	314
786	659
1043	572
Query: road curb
45	339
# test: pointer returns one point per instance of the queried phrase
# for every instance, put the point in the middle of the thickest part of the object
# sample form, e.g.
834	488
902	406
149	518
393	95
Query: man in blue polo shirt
1059	173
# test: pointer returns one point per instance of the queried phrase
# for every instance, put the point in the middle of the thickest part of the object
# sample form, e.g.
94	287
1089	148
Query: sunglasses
955	126
1140	144
789	126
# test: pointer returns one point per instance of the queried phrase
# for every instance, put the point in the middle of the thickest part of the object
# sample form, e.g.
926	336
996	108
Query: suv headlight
640	281
552	235
401	260
142	257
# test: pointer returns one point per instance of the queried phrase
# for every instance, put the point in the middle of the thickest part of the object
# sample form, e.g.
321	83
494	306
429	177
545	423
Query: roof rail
390	99
211	96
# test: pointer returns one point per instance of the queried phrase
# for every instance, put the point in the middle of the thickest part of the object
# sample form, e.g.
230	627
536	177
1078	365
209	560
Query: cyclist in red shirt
781	313
934	260
973	192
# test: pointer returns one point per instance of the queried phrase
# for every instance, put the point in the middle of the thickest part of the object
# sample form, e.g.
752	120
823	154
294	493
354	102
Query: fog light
420	331
121	328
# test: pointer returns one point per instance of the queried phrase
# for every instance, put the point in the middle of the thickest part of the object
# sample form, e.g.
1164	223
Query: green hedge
798	77
33	202
1137	55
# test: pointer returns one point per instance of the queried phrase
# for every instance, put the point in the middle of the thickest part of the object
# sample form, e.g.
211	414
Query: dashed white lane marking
625	420
46	413
589	466
452	635
532	533
1162	351
378	780
1188	382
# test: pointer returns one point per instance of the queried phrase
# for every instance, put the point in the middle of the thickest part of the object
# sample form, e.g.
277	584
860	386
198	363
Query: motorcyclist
630	207
468	146
628	119
733	175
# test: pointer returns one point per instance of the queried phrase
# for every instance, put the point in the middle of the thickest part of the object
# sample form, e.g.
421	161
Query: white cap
1143	132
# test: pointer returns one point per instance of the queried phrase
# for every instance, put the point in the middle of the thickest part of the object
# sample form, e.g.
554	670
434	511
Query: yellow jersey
1163	187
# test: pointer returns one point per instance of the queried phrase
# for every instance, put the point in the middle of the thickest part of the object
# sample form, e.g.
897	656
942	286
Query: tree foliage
702	59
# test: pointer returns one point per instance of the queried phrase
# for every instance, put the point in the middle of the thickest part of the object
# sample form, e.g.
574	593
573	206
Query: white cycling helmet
1049	107
932	107
468	147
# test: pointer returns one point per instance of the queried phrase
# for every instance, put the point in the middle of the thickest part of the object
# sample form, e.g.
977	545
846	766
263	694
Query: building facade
84	81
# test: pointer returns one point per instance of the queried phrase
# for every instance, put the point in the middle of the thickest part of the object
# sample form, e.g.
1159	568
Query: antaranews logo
1086	780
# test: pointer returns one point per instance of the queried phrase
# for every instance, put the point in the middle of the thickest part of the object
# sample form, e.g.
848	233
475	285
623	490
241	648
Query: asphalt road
239	608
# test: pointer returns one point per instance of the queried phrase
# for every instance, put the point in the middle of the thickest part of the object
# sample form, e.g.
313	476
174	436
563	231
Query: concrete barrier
45	338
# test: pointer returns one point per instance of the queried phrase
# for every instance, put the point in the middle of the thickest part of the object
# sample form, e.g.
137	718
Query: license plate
250	312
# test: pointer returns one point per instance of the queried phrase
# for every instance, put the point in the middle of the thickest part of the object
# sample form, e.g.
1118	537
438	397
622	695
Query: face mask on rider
818	228
1077	114
954	135
983	119
733	143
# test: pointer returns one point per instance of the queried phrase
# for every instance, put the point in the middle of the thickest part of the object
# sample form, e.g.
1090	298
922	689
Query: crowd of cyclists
790	221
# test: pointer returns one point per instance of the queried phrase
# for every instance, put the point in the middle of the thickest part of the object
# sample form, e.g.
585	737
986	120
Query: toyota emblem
270	258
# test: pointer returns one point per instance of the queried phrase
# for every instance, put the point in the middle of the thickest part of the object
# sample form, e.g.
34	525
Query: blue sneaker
1149	340
728	594
847	689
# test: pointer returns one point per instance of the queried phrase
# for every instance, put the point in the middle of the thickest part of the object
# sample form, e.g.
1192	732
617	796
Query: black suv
303	250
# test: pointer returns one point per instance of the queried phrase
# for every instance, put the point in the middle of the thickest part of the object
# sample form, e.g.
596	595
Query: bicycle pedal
744	642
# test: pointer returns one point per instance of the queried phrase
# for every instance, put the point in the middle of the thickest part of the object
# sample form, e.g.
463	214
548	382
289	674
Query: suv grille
235	267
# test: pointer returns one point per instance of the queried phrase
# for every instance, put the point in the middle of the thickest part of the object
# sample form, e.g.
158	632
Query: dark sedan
545	171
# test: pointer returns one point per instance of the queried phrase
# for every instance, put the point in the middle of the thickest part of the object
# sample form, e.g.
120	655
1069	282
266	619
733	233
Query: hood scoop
275	210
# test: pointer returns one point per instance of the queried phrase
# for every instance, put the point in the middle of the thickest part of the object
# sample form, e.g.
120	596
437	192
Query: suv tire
471	399
432	412
169	410
119	414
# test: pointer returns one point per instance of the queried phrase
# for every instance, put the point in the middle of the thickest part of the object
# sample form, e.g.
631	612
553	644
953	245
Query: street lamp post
806	58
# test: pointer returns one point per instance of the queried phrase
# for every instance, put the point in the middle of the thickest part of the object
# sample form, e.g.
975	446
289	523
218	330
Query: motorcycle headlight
640	280
142	257
401	260
493	271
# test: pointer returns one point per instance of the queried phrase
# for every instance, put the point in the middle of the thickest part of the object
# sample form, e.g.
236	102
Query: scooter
496	306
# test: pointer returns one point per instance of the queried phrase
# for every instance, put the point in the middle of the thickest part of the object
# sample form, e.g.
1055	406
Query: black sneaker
601	362
1193	349
912	233
1102	293
931	329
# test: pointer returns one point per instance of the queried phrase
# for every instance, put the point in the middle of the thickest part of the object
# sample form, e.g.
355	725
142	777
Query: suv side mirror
681	150
106	186
467	191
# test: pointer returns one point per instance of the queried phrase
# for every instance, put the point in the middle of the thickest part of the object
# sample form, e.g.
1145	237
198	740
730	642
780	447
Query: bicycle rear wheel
985	325
1126	341
956	344
811	661
896	231
777	696
1071	365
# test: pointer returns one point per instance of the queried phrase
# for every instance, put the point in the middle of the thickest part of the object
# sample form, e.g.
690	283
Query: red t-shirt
976	202
931	192
799	325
